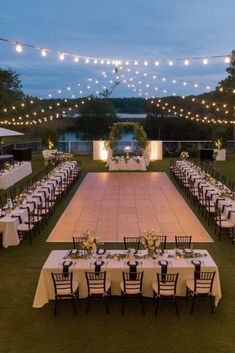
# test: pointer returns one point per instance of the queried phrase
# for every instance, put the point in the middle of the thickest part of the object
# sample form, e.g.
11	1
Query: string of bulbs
62	55
188	114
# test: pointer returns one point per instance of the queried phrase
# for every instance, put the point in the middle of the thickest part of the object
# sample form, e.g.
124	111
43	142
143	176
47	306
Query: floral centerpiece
184	155
7	166
150	241
67	156
19	199
89	242
207	177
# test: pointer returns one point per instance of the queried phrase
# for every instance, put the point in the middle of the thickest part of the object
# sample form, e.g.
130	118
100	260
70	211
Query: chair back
62	282
208	204
203	282
218	217
183	241
96	282
132	242
30	217
133	282
77	242
167	283
162	239
201	197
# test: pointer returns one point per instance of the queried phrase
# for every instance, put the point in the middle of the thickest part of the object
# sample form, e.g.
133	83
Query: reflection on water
79	136
77	142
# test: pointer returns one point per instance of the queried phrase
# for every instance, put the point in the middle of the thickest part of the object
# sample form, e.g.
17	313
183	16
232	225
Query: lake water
78	136
77	142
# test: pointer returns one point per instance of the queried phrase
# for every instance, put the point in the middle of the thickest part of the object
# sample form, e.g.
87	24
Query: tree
97	117
225	92
50	138
10	88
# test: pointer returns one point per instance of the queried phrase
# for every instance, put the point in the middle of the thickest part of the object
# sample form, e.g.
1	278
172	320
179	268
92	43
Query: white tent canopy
7	132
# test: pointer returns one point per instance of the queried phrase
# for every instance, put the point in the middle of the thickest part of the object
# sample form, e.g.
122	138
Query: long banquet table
9	223
214	191
114	269
12	176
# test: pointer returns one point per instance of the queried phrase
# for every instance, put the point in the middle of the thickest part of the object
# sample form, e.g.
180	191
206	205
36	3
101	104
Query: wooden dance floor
117	204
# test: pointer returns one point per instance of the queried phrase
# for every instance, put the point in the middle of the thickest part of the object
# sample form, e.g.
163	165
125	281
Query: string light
43	52
61	56
189	115
19	48
95	60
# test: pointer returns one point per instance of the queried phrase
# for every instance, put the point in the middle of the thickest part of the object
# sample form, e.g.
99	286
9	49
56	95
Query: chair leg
30	239
142	305
156	309
123	306
74	306
212	304
193	303
88	305
106	304
176	308
187	294
55	309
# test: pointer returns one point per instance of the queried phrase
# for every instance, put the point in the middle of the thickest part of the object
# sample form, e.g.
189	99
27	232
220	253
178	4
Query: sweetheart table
136	163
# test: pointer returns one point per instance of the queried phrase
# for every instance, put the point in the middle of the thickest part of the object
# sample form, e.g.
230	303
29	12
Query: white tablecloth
11	177
114	269
8	224
226	204
130	164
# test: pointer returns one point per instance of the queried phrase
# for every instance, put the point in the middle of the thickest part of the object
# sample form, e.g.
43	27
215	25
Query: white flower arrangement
90	242
19	199
7	166
150	240
184	155
67	156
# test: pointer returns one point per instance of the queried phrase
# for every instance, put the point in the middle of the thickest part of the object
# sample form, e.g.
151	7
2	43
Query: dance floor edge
117	204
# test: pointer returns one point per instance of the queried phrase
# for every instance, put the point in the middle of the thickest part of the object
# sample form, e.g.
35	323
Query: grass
27	330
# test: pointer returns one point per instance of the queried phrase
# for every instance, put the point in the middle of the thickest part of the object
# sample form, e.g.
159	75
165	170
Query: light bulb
76	59
227	60
205	61
43	52
61	56
170	62
186	62
19	48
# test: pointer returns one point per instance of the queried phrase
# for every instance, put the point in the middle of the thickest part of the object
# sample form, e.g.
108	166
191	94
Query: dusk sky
127	30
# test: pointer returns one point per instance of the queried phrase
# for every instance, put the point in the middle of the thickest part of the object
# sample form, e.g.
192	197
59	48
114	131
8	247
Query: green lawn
28	330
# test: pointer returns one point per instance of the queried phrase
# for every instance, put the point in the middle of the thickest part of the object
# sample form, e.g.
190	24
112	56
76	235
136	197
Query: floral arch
138	130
